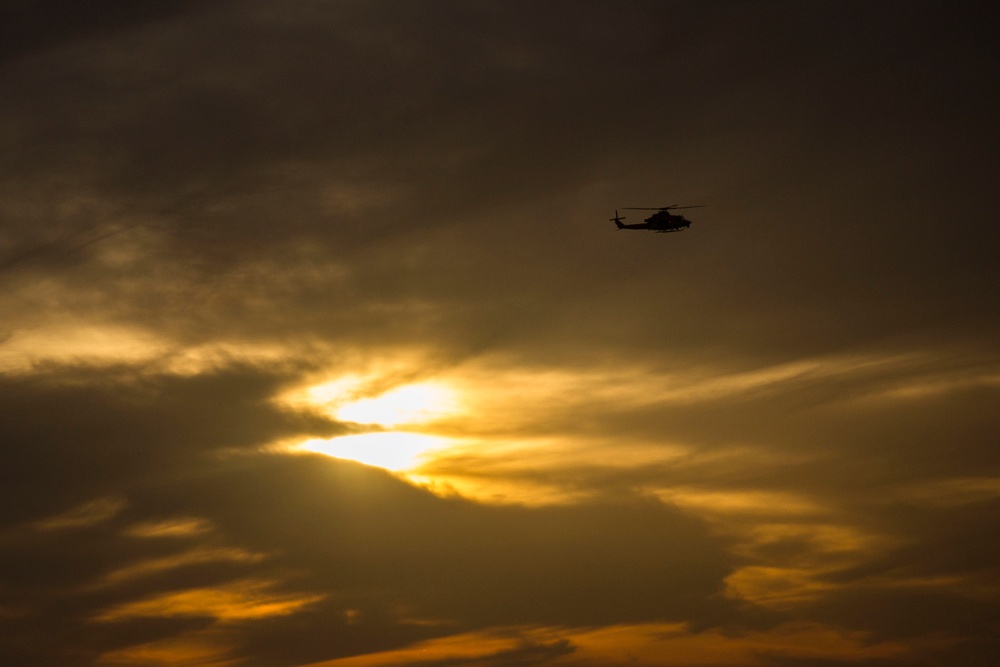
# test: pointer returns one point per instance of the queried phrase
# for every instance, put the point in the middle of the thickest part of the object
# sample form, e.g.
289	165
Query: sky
318	347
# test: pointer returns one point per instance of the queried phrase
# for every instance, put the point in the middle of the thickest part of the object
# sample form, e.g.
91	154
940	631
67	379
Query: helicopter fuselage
661	221
658	223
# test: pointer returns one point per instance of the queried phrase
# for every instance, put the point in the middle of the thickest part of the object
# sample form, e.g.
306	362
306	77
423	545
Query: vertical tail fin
617	220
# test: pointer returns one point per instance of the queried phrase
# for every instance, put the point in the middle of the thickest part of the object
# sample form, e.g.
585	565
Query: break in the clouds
318	348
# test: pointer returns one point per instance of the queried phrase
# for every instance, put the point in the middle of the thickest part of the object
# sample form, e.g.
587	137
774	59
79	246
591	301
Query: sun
395	449
411	404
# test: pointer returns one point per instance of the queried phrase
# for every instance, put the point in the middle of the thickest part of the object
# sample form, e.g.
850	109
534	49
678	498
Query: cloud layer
770	440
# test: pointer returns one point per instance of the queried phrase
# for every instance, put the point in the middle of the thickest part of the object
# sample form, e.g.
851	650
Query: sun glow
349	399
392	450
411	404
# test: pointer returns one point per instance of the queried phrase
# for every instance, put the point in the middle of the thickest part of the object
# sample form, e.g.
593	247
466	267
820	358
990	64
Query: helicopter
661	222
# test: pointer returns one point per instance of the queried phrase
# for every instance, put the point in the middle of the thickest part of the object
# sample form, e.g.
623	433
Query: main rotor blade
659	208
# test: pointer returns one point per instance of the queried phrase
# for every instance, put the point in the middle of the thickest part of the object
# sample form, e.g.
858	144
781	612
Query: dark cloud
529	654
379	544
70	437
433	150
35	25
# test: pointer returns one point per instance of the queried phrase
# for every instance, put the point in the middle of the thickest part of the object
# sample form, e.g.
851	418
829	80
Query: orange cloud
242	600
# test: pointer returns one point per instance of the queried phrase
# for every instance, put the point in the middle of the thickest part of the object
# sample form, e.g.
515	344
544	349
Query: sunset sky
318	348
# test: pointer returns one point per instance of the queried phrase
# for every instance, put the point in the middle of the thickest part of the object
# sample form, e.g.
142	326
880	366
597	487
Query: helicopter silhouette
661	222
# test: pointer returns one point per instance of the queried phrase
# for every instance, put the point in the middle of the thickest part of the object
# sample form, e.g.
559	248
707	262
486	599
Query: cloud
116	426
288	544
37	26
416	181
